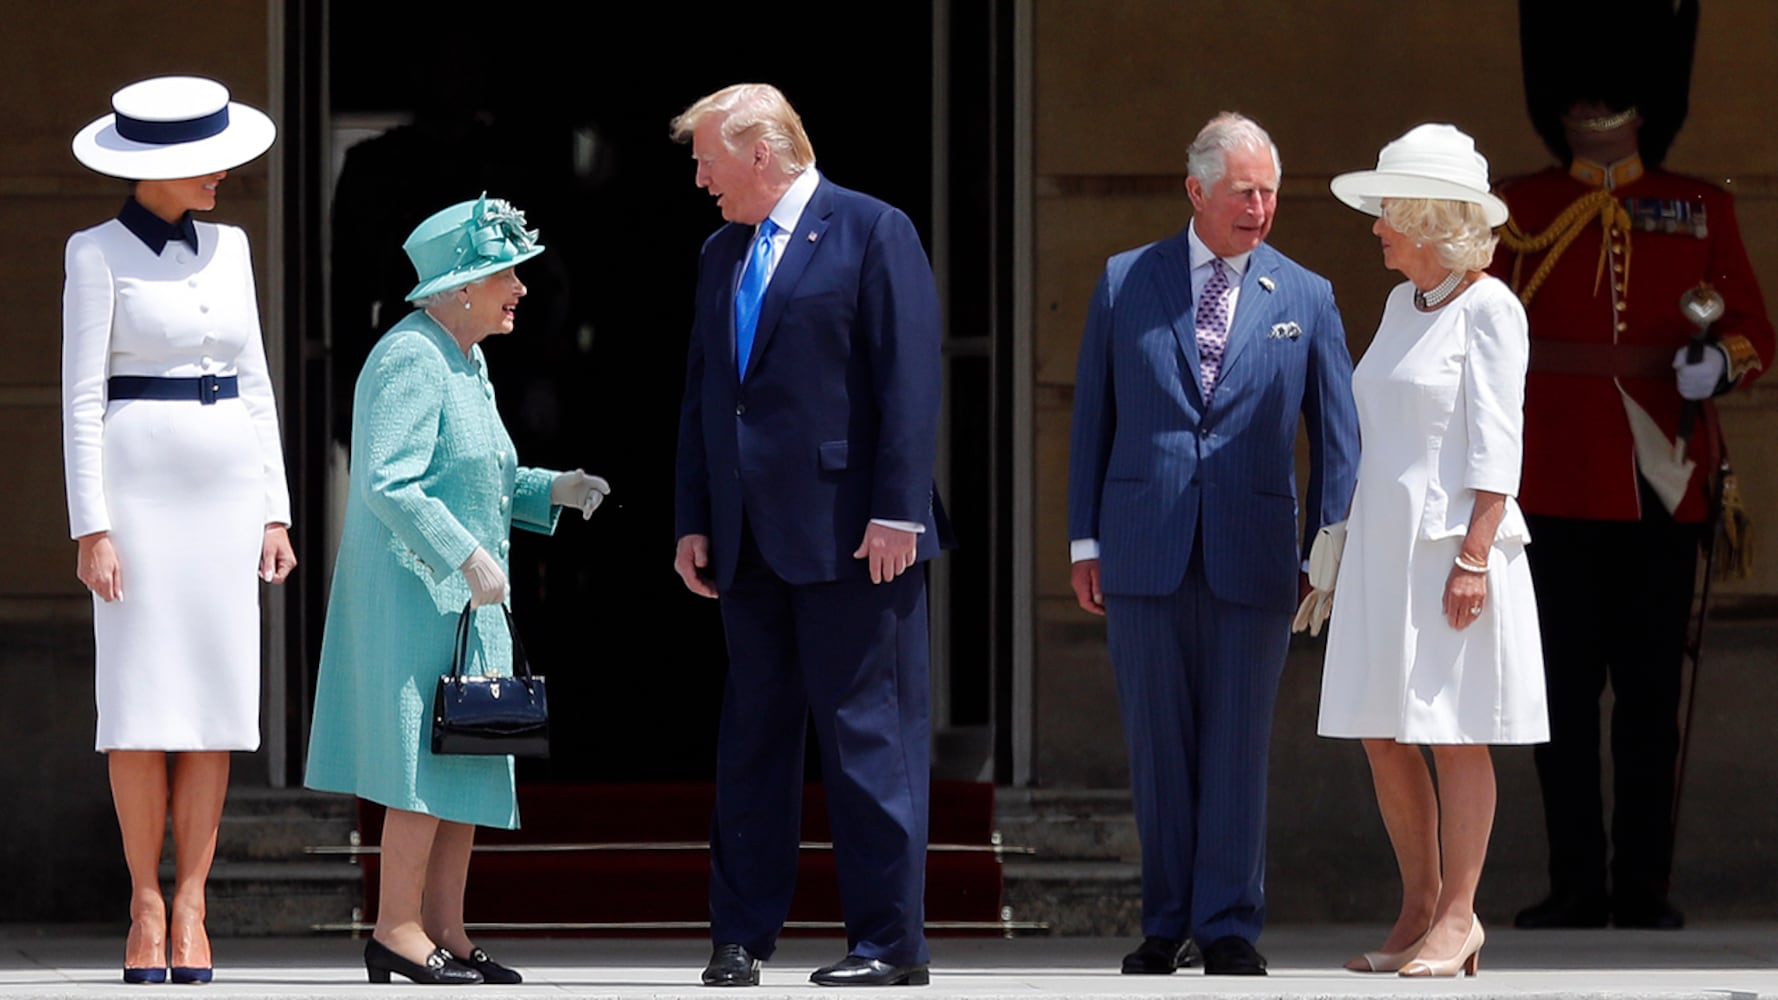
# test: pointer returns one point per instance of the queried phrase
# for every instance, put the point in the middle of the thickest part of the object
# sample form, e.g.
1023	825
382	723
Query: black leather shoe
731	965
1233	956
1563	909
1653	913
493	973
441	967
856	971
1158	956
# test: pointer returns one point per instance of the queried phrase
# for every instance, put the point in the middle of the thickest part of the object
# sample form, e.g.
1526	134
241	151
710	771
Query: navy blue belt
206	389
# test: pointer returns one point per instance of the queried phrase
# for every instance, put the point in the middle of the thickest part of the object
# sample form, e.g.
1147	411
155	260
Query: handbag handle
521	667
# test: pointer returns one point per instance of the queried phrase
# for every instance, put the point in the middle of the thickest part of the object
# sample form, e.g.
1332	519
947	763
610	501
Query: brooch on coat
1285	331
1267	283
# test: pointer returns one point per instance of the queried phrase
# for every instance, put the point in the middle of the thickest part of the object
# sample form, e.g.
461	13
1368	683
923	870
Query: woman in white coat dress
1434	637
176	490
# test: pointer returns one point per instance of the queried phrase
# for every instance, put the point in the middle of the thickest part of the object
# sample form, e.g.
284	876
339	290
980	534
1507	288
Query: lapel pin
1267	284
811	236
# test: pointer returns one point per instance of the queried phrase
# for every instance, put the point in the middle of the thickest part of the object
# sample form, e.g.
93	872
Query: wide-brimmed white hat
170	127
1430	161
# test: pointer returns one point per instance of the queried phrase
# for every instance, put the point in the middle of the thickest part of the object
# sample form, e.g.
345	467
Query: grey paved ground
1731	962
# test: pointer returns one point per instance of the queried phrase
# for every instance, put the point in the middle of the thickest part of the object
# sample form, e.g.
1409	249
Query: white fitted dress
1441	414
184	488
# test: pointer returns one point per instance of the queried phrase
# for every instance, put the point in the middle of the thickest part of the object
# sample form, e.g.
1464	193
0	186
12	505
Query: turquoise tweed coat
433	476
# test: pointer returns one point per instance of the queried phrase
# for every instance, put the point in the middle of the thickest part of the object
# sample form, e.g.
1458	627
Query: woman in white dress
1434	638
176	491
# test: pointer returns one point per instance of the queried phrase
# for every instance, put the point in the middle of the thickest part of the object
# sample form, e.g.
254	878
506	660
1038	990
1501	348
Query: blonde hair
1458	230
752	111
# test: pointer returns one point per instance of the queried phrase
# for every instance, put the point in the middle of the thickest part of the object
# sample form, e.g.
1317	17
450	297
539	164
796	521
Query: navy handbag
475	714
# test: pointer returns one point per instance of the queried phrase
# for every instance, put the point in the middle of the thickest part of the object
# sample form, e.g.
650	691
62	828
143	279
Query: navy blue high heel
154	975
192	974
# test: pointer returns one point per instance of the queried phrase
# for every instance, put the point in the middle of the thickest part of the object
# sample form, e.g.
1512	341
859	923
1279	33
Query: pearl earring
465	305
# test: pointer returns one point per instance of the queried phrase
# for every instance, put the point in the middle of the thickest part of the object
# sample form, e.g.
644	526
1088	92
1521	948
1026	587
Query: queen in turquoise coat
436	490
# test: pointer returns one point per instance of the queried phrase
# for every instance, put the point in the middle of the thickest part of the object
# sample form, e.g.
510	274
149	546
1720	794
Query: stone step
1085	877
263	881
1076	898
255	899
269	824
1068	824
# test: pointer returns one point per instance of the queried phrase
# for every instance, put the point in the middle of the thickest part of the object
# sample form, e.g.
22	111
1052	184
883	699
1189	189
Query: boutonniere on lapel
1268	284
1284	331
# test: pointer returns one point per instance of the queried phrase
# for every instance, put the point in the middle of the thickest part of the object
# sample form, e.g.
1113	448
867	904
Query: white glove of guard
487	581
577	489
1699	380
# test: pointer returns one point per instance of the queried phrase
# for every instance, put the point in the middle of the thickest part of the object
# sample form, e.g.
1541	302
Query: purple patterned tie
1212	322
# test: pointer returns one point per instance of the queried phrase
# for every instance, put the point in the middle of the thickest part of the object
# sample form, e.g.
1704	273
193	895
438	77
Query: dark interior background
569	122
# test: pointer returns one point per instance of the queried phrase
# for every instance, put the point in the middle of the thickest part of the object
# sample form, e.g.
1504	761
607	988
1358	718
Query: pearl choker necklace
1440	292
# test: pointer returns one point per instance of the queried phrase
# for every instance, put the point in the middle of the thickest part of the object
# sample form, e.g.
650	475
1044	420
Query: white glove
487	581
1699	380
577	489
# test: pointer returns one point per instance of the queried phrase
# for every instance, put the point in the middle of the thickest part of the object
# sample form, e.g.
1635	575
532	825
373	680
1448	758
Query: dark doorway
564	111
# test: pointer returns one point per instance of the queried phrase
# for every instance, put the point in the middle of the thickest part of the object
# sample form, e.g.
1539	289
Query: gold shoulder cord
1601	205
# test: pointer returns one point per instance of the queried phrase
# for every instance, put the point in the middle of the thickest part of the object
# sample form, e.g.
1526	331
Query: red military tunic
1579	455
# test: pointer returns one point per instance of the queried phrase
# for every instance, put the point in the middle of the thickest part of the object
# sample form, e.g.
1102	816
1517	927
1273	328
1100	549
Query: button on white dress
185	489
1440	410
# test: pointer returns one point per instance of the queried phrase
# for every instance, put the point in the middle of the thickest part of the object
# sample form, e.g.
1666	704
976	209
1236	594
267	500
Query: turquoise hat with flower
469	240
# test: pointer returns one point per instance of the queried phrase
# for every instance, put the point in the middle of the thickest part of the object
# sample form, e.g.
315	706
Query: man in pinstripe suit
1200	352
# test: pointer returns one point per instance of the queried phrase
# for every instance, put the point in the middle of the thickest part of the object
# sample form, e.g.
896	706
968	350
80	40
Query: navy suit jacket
836	419
1149	459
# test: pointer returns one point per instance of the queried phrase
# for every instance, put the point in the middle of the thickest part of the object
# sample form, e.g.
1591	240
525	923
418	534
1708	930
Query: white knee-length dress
184	488
1441	414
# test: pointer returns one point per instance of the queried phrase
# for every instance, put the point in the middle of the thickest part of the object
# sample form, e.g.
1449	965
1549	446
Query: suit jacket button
740	408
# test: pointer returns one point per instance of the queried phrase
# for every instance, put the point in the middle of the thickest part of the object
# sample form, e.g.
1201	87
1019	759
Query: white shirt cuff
1083	548
913	526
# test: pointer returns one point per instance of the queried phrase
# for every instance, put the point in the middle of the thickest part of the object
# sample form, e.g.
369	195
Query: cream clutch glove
1324	569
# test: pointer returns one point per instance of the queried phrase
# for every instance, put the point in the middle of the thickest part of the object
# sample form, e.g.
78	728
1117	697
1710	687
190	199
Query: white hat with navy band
171	127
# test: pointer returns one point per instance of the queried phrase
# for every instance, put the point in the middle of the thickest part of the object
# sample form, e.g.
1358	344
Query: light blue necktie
751	293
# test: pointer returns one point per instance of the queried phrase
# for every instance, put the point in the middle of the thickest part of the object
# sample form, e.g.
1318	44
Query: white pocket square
1285	331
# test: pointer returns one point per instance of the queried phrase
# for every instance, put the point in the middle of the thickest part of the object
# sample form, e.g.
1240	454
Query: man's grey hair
1207	159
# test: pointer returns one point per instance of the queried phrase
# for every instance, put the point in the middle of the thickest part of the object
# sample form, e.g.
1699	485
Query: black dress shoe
492	972
1564	909
731	965
1233	956
1158	956
854	970
1653	913
441	967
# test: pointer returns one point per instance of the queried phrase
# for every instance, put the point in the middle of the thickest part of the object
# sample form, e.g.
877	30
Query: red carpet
657	884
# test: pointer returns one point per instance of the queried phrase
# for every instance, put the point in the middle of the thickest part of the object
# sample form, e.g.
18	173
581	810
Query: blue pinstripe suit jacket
1149	458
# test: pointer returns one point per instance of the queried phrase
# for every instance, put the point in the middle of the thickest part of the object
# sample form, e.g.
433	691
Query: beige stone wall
63	61
1120	88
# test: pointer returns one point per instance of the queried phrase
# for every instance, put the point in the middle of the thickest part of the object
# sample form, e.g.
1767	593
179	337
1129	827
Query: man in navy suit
807	441
1199	354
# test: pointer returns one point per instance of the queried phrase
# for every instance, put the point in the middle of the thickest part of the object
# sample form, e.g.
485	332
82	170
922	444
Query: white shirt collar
1201	255
789	209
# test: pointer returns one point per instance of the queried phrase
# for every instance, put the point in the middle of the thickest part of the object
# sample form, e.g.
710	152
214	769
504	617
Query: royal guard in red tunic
1602	250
